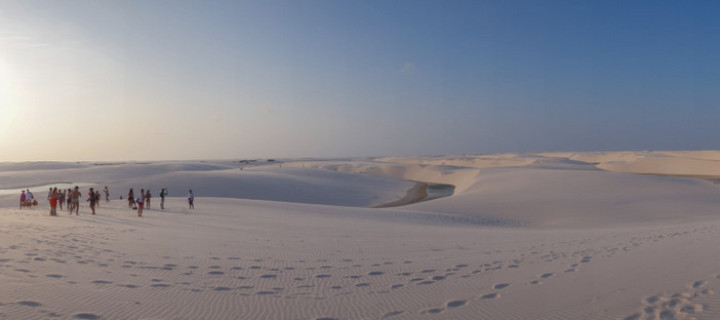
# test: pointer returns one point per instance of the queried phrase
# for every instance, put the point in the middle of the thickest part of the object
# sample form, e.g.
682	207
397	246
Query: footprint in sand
455	303
361	285
677	306
500	286
490	296
159	285
375	273
268	276
56	276
322	276
29	303
101	282
433	311
397	286
86	316
216	273
547	275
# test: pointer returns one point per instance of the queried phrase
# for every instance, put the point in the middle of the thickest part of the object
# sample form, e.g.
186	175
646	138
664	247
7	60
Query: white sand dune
540	236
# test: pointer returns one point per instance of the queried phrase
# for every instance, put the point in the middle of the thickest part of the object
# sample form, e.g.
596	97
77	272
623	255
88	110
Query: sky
180	80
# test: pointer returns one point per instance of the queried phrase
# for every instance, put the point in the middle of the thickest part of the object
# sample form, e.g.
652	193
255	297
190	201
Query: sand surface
612	235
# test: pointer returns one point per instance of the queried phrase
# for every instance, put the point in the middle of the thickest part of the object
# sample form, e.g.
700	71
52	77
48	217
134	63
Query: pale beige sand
557	238
413	195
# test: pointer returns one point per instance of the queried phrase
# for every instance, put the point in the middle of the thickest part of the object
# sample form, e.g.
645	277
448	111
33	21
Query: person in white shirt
140	202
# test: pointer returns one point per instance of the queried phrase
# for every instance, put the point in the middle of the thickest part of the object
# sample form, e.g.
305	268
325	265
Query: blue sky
152	80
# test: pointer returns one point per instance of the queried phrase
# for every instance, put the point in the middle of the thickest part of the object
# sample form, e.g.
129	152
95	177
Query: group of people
27	199
142	201
72	196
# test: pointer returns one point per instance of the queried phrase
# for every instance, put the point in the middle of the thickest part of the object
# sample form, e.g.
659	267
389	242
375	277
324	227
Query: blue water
437	191
43	189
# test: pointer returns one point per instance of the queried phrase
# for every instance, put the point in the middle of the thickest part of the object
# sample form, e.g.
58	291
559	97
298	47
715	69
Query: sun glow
8	110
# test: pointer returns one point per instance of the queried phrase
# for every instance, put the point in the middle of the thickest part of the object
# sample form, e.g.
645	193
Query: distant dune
593	235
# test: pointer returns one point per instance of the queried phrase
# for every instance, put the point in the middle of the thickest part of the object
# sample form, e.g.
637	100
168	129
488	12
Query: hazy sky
152	80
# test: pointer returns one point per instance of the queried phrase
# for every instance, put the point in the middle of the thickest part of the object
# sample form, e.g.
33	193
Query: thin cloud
267	109
22	42
408	67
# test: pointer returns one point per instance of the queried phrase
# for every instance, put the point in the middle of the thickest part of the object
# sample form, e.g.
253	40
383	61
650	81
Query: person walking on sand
147	199
61	198
97	198
53	201
23	199
92	198
76	201
191	199
131	198
107	194
68	198
163	194
140	201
